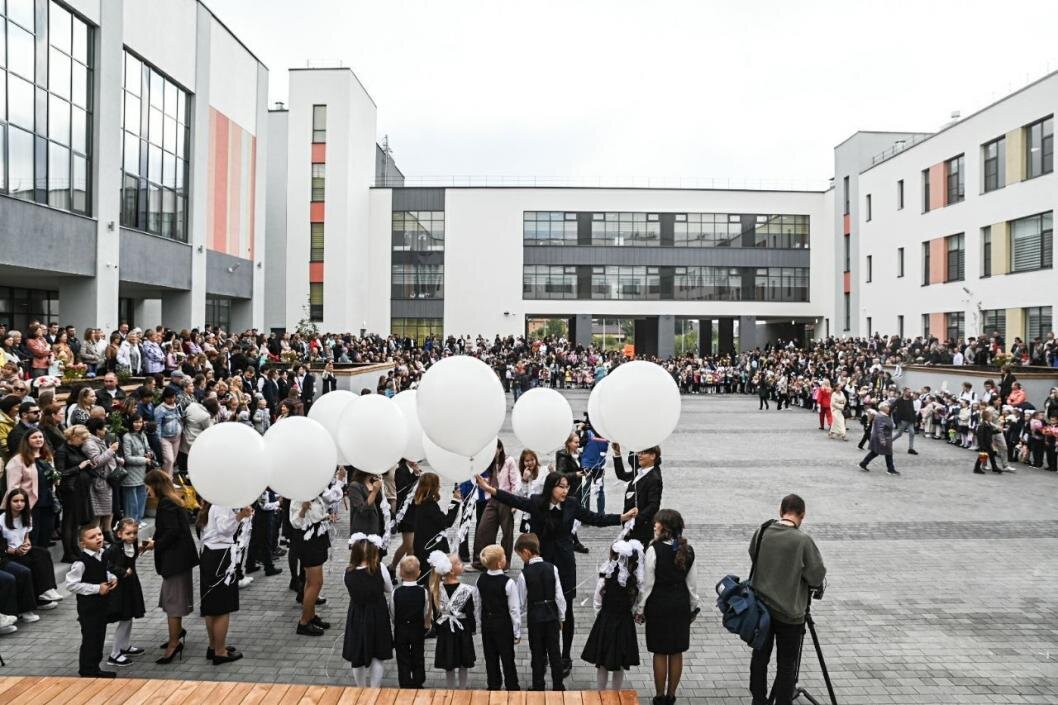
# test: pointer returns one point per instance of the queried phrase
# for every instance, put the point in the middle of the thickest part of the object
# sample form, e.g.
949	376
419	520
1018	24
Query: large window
418	329
418	281
899	262
1037	323
780	284
218	312
955	247
316	301
1031	242
1039	148
156	144
994	320
955	325
925	190
45	108
418	231
319	123
319	181
549	228
925	263
626	283
707	284
848	311
995	164
625	229
18	307
925	326
316	242
955	172
779	231
986	251
544	281
710	230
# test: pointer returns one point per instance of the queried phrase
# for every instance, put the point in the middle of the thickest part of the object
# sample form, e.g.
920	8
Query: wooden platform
30	690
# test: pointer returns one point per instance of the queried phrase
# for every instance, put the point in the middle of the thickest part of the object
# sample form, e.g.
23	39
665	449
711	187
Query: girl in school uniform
126	600
368	634
431	521
612	645
457	610
218	585
312	542
16	523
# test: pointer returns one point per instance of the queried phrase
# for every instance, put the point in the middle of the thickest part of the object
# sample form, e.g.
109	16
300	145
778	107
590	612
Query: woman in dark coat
431	522
881	439
365	498
175	556
551	516
405	477
566	463
74	468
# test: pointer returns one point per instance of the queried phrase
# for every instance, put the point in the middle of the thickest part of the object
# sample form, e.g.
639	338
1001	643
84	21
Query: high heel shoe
165	644
178	651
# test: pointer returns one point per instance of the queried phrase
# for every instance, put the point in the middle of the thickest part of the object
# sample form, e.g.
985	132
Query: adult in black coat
551	516
1006	382
270	391
75	482
306	382
643	491
175	556
567	464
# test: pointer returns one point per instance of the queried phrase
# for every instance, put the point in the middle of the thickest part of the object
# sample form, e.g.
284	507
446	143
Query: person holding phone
365	501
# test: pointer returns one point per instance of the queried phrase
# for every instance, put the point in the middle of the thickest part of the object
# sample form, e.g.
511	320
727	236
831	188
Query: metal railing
631	182
900	146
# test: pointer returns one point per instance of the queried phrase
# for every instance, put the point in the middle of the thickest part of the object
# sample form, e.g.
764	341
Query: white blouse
648	582
16	536
219	532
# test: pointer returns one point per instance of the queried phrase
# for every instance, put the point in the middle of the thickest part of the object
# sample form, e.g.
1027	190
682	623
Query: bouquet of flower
1002	359
74	372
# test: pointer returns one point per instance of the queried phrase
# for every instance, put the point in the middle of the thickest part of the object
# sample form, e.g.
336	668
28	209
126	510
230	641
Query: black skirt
216	597
612	643
454	649
368	634
127	601
312	552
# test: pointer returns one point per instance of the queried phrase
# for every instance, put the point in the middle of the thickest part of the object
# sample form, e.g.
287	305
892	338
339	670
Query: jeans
134	499
908	426
787	637
25	598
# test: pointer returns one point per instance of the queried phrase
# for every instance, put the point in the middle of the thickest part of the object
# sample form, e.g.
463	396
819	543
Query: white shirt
73	578
219	532
648	583
523	593
514	604
17	536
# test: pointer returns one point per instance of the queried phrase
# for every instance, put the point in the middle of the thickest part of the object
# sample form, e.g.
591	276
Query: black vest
494	609
540	592
94	574
409	606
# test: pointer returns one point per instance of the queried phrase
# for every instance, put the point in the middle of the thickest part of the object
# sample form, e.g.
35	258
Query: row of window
418	231
642	283
1038	323
418	329
45	106
417	281
629	229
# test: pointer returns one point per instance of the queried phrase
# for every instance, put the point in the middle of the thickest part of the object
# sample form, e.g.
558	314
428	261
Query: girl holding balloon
311	522
431	522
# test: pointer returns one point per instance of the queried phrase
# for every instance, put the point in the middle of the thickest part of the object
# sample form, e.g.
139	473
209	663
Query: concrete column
177	311
582	326
257	312
146	312
725	340
666	336
193	310
747	333
705	336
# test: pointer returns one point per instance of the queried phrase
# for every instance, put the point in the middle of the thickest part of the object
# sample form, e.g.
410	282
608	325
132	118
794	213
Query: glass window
20	163
129	205
900	194
168	228
417	329
154	164
868	204
59	27
319	123
155	126
316	242
79	91
58	120
619	229
59	73
955	324
925	191
58	176
899	262
80	184
986	251
168	170
133	74
418	231
417	281
1039	147
994	321
1031	245
870	268
20	106
925	263
3	140
1037	324
154	209
955	246
80	42
22	11
549	228
170	99
316	301
132	155
995	167
169	137
319	181
956	176
156	86
21	56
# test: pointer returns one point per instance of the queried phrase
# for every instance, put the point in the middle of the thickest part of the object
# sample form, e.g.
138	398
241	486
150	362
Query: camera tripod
799	691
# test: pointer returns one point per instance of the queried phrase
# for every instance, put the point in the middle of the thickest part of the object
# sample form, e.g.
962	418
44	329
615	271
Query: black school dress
405	480
612	643
455	646
367	628
430	526
668	608
126	602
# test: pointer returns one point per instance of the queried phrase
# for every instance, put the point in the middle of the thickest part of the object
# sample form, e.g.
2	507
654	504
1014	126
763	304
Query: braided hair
671	523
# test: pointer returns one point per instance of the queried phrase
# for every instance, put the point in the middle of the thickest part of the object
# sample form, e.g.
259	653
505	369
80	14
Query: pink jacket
507	479
18	475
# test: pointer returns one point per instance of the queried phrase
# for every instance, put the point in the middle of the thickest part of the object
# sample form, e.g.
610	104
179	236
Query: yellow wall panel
1015	144
1000	248
1015	325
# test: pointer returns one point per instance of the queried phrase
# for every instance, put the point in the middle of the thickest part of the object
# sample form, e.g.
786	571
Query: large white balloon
453	467
595	415
406	401
301	458
461	404
371	433
542	420
327	410
228	465
640	405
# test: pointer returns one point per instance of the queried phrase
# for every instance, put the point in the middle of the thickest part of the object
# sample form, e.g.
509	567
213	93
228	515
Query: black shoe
165	644
309	629
912	451
252	568
567	667
978	471
579	547
279	553
893	472
320	623
864	468
273	571
860	446
319	600
232	656
133	651
100	674
210	653
178	651
121	660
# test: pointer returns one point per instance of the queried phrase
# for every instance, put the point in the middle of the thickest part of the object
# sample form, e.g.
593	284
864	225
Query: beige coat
837	406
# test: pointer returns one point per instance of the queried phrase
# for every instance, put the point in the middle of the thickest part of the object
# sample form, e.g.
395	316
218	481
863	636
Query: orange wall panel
847	224
848	282
319	153
936	325
315	272
938	263
316	212
937	186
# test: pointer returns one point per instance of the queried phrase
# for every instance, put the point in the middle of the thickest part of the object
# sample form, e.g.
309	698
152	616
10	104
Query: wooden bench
32	690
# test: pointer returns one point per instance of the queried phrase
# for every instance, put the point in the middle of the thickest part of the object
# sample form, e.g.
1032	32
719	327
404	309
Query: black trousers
568	626
38	560
498	644
991	457
93	639
888	460
260	535
763	404
43	525
544	651
787	637
411	661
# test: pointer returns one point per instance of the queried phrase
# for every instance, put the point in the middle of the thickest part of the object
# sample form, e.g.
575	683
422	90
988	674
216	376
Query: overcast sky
622	88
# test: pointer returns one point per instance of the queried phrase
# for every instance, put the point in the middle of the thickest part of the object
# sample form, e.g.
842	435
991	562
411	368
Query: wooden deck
31	690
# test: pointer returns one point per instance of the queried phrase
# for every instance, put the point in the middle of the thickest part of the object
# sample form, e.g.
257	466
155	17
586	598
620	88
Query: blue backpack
742	612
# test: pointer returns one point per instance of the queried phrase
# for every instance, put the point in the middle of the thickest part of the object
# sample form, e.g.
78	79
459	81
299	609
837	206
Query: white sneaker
8	629
47	605
245	581
29	617
52	595
6	620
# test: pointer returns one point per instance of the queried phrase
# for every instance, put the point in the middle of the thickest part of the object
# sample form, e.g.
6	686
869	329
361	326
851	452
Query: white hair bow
360	536
624	551
440	563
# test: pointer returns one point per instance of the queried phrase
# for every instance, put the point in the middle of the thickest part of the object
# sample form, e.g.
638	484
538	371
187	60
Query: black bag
117	476
742	612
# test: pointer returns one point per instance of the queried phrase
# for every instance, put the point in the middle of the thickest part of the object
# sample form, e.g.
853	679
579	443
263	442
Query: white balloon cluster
452	420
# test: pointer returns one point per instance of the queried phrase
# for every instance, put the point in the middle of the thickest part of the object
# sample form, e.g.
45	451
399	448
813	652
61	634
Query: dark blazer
644	495
308	389
174	545
270	391
568	466
74	483
882	435
556	533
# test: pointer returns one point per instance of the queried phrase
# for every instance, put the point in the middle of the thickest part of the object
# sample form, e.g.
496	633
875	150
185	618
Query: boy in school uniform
411	619
543	603
91	582
501	619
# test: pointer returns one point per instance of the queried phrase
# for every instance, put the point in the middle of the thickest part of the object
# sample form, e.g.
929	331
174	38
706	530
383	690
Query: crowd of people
79	473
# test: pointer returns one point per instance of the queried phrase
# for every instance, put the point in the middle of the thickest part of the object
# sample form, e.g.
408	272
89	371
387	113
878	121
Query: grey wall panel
237	283
405	257
667	256
425	308
154	261
418	199
36	237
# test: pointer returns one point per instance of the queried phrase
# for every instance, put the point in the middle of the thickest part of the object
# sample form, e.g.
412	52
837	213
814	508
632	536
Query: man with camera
789	567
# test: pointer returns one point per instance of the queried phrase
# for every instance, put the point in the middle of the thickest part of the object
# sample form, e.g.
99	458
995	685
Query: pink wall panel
937	261
219	198
936	325
937	186
315	272
231	242
232	187
847	224
847	284
319	152
316	212
253	192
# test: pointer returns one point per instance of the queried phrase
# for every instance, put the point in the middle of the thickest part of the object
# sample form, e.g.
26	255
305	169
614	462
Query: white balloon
453	467
640	405
406	401
461	404
228	465
301	458
595	415
371	433
542	419
327	410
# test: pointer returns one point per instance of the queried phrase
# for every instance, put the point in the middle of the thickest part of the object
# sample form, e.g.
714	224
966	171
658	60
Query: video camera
817	592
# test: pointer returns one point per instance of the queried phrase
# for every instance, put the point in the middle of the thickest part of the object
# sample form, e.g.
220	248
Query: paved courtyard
942	584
